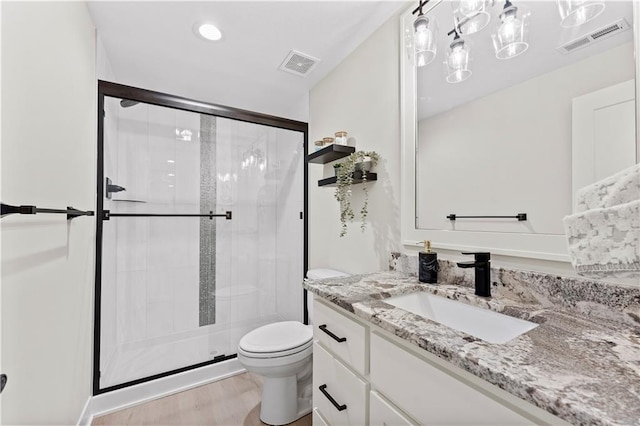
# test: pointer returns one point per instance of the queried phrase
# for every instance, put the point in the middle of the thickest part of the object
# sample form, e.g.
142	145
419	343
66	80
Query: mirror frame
535	246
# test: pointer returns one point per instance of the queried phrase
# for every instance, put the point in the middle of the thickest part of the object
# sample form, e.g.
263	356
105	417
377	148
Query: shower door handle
3	382
106	215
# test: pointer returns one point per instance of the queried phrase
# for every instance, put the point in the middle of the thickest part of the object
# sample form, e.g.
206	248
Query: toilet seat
276	340
279	354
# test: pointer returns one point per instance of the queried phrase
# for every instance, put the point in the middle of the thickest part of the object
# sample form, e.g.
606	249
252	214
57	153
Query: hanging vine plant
359	161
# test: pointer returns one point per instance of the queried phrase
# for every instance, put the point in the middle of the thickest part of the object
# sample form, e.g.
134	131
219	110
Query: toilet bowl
282	353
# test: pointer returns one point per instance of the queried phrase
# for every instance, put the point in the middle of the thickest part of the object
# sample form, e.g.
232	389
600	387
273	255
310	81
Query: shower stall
201	231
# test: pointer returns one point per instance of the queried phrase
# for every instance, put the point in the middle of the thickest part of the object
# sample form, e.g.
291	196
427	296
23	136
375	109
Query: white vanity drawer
381	413
332	380
429	394
341	335
317	420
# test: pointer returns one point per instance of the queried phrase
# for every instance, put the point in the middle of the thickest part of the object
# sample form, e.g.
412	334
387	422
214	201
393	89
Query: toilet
281	353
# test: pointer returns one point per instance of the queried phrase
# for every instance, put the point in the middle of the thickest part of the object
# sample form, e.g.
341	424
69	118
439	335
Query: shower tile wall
150	265
208	183
266	233
289	200
152	276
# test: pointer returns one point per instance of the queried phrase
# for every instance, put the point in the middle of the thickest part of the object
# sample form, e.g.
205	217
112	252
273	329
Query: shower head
126	103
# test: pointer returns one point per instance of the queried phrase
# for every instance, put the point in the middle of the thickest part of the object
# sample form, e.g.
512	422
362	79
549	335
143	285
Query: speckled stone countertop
582	363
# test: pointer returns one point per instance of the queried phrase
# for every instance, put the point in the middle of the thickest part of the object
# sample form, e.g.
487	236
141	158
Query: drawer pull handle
323	327
339	407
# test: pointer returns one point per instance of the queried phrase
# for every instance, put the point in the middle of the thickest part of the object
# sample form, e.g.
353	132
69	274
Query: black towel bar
519	216
6	209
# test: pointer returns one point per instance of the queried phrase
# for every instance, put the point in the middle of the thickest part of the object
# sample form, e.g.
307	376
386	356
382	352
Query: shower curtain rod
106	215
6	209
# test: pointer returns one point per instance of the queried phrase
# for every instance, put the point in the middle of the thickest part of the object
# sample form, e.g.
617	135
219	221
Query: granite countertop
582	363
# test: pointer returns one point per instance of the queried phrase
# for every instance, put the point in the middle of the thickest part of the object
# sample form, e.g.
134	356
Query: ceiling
435	95
152	45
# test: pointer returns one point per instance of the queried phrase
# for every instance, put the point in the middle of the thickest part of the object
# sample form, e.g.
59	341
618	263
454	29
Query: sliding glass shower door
202	237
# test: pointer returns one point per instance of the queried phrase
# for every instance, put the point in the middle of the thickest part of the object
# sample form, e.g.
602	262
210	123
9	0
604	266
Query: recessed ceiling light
208	32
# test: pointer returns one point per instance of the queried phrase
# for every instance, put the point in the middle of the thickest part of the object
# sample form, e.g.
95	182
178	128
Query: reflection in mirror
503	140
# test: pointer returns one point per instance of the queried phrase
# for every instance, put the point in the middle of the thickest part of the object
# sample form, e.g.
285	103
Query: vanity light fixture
470	16
509	40
457	63
576	12
208	31
473	15
425	33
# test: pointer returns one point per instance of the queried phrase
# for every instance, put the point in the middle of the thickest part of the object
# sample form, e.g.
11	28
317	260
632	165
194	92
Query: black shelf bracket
71	212
520	216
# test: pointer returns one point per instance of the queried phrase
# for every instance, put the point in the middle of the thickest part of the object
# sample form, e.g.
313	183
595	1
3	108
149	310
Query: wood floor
230	402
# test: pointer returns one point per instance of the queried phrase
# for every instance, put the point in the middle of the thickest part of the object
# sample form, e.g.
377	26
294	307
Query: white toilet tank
318	274
321	273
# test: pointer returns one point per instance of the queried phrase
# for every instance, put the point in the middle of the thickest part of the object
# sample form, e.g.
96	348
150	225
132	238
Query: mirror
510	138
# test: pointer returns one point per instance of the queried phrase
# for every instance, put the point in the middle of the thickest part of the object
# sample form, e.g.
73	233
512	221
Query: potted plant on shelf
357	165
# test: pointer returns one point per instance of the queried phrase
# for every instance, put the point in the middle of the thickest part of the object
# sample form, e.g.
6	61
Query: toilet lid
276	337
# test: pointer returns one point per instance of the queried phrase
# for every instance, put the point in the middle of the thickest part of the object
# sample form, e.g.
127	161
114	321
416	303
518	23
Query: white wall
360	96
48	160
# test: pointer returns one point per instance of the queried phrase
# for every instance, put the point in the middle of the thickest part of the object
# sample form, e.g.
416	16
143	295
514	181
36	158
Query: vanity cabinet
430	394
342	336
340	367
338	394
383	413
376	378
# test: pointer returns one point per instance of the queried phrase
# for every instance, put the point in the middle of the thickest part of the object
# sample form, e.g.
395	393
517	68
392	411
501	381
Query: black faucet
482	263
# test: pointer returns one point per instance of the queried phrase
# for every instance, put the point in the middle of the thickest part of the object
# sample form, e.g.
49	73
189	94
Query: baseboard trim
133	395
85	415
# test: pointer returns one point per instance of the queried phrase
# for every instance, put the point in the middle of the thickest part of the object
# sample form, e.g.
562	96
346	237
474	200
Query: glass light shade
457	62
510	38
577	12
424	40
471	16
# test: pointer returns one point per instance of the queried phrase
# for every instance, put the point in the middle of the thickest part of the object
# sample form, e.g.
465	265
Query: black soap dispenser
428	265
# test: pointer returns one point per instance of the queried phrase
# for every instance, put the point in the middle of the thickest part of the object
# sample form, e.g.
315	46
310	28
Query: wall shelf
330	153
357	178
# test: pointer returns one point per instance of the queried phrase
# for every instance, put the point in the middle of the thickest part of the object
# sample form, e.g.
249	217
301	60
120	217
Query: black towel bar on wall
6	209
520	216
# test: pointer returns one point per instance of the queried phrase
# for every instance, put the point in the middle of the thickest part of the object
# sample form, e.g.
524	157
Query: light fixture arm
421	3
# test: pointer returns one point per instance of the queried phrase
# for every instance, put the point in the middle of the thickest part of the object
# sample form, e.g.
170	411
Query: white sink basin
484	324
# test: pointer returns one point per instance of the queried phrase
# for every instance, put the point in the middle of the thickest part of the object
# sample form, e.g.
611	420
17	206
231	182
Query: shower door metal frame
106	88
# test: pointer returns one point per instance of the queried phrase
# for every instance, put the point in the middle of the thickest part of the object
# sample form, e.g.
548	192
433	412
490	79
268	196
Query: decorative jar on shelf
327	140
319	145
341	138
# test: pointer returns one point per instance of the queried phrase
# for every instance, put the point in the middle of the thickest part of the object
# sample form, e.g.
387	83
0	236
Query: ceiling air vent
299	63
607	31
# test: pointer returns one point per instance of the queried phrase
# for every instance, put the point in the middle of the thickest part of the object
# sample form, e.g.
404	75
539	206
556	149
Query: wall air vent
602	33
299	63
